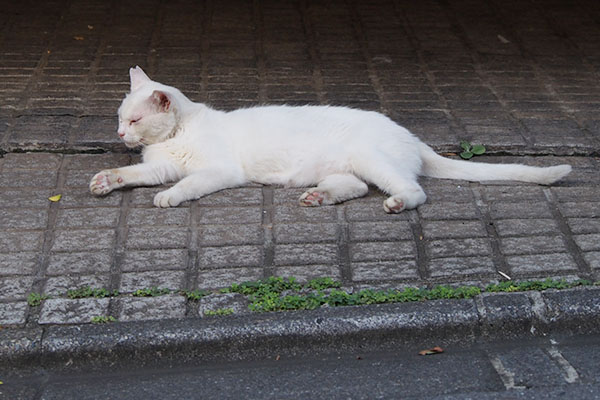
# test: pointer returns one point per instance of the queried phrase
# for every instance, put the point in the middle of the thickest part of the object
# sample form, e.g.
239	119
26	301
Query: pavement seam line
571	375
567	236
507	377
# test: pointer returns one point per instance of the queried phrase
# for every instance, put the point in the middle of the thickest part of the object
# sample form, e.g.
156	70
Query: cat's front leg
197	185
145	174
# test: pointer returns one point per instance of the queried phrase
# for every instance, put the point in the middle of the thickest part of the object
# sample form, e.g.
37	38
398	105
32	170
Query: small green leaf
466	155
466	146
478	149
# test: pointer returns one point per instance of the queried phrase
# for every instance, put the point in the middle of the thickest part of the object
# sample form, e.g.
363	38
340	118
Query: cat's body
337	149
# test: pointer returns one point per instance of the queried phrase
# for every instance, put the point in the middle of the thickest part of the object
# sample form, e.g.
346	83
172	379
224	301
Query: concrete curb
343	329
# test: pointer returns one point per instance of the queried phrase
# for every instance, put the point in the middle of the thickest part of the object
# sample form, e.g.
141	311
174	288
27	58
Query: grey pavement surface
541	368
521	77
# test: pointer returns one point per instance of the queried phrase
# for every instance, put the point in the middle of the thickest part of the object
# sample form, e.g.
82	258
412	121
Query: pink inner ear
162	100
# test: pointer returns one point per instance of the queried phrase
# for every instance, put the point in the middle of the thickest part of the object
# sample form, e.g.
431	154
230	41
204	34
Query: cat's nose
121	134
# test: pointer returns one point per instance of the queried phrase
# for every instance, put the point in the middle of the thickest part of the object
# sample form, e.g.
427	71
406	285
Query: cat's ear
137	77
161	100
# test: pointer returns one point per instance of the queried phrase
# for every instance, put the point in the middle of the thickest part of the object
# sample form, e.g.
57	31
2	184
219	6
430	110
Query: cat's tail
436	166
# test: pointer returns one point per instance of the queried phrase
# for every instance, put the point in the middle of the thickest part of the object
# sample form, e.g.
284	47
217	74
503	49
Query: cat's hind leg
406	193
335	188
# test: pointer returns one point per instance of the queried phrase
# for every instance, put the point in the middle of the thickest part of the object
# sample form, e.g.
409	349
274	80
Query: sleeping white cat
334	149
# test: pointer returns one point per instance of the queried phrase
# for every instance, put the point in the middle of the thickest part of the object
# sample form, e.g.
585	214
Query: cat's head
148	114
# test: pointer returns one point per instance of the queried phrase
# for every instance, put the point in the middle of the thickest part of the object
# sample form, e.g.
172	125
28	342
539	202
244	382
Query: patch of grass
35	299
281	294
219	312
470	150
87	291
194	295
103	319
511	286
151	292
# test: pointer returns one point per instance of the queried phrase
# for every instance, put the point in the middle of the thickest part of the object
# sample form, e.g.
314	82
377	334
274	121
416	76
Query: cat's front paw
394	205
105	182
167	198
312	198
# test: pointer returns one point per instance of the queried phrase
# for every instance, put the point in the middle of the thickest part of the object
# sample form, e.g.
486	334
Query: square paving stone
132	281
14	313
236	234
302	232
219	278
83	239
230	256
24	263
151	308
151	260
541	264
380	230
299	254
461	266
384	270
68	311
79	263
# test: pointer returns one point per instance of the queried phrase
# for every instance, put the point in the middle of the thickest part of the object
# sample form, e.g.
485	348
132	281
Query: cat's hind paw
393	205
167	198
105	182
312	198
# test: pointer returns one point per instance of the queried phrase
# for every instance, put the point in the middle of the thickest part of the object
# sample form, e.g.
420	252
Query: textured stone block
67	311
159	216
380	230
461	266
151	308
32	161
382	251
219	278
522	227
23	219
236	234
20	241
150	260
23	263
44	178
532	245
299	254
541	263
229	256
453	229
529	209
24	198
446	211
83	239
384	270
588	209
588	242
458	247
79	263
157	237
371	209
230	215
81	197
15	287
584	225
303	232
246	196
593	259
512	193
305	273
88	217
59	285
13	313
295	213
132	281
234	301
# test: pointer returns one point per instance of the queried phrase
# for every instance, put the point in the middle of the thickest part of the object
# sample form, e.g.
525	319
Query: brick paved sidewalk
520	77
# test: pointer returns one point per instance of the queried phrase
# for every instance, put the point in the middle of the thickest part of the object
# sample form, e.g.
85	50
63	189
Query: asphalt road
550	367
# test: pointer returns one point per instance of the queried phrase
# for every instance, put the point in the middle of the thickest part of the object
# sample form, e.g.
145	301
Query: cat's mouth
133	145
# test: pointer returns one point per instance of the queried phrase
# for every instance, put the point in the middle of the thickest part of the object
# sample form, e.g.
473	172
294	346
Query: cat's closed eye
133	121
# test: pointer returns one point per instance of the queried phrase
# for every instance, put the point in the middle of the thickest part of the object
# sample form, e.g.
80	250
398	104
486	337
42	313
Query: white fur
337	149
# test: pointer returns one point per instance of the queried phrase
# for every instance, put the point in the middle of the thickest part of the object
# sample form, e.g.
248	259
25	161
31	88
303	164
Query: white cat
337	149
